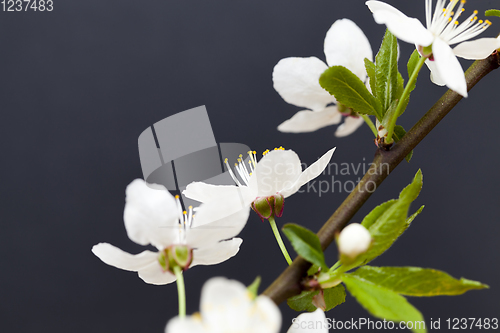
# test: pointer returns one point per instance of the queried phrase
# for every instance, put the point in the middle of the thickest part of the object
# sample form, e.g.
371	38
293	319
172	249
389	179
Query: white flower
153	216
312	322
278	172
297	80
354	240
443	29
226	306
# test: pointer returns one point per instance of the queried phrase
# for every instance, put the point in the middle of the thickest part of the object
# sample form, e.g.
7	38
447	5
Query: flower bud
271	206
354	240
175	255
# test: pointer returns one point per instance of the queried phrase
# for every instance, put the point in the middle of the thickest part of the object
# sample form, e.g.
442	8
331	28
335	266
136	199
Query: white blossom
278	172
153	216
297	80
443	29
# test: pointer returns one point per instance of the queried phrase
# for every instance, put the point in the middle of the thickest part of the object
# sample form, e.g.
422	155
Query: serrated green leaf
492	12
386	71
391	222
415	281
303	302
383	303
306	244
411	218
253	289
412	62
376	212
399	132
349	90
370	70
401	86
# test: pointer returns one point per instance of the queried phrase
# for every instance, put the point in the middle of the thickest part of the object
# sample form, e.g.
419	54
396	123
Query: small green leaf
401	86
388	221
349	90
303	302
411	218
313	269
254	287
306	244
383	303
376	212
399	132
370	70
492	12
415	281
386	71
412	63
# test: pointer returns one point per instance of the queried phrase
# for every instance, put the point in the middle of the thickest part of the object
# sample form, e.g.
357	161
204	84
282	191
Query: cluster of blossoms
183	240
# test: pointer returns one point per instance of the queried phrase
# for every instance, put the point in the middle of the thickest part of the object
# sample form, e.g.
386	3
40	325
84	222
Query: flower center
445	25
241	169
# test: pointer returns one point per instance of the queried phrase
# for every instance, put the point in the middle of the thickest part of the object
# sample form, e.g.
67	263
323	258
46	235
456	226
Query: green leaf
412	63
492	12
254	287
306	244
411	218
303	302
370	70
401	86
376	212
349	90
386	71
415	281
388	221
399	132
383	303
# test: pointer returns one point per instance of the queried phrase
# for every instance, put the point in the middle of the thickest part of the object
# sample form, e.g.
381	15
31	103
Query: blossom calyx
354	240
175	256
271	206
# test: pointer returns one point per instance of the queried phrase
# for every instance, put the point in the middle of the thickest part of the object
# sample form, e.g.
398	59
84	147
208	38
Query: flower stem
406	92
181	291
280	241
369	122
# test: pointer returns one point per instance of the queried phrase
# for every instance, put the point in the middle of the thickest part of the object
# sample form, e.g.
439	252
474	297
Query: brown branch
384	162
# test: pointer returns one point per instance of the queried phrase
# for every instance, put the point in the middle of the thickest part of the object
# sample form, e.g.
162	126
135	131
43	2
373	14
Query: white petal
346	45
266	317
190	324
316	319
313	171
150	214
278	170
225	304
435	77
154	274
211	233
449	67
350	125
403	27
309	121
216	253
297	82
477	49
116	257
204	192
239	198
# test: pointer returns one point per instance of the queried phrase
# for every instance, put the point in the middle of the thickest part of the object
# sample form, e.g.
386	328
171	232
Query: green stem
280	241
370	123
181	291
406	93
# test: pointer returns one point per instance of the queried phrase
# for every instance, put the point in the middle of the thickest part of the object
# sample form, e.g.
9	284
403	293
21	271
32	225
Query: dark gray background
77	87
